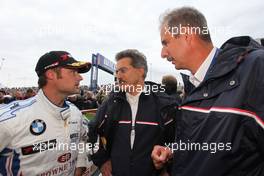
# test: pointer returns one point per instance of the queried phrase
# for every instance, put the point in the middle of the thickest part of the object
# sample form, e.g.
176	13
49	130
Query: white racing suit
40	138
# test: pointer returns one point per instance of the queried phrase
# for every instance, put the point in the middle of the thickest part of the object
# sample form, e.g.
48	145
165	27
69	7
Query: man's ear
50	74
141	71
188	37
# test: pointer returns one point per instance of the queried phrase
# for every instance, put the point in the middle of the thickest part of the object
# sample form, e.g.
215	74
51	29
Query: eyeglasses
122	70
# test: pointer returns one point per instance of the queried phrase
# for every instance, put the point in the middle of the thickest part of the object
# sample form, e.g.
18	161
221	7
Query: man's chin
177	66
76	90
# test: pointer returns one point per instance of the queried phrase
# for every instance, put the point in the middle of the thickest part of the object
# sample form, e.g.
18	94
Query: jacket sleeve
82	160
169	106
96	126
5	136
169	124
255	101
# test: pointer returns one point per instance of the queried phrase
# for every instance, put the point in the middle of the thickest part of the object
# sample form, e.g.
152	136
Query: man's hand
160	155
106	168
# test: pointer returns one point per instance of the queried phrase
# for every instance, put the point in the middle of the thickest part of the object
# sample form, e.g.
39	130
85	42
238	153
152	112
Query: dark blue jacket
221	127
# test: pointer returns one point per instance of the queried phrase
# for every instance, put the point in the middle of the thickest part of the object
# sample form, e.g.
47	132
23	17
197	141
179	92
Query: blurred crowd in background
85	100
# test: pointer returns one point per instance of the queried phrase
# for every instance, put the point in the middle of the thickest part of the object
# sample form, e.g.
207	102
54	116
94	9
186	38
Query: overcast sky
30	28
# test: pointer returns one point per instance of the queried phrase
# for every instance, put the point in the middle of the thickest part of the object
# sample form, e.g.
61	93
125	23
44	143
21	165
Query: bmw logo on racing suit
37	127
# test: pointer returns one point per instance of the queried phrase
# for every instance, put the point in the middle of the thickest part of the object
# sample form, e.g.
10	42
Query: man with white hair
221	127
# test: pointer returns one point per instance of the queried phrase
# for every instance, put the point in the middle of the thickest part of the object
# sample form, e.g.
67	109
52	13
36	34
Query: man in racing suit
45	135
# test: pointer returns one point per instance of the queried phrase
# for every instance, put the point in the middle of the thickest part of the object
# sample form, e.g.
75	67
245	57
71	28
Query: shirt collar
58	112
136	97
198	77
132	99
129	96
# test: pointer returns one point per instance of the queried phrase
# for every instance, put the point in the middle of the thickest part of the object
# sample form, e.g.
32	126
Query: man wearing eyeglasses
133	119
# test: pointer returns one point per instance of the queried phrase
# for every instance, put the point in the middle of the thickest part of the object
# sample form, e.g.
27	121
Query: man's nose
118	74
80	77
119	77
164	53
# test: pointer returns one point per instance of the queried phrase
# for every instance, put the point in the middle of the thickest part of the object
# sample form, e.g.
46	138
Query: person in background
2	94
30	93
170	84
